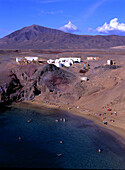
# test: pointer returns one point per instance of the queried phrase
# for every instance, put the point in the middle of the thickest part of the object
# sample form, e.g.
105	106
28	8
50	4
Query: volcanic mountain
39	37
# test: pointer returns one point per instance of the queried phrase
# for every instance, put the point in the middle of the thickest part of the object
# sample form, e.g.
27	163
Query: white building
31	58
92	58
58	64
50	61
67	62
18	59
111	62
27	58
70	58
76	60
84	78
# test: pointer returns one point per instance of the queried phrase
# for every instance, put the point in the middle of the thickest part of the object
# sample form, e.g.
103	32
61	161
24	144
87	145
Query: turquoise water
40	144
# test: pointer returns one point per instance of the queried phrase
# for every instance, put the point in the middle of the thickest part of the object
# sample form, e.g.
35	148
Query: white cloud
70	28
114	27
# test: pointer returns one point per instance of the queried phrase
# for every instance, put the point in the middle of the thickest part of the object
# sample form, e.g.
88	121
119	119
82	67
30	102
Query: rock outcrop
48	82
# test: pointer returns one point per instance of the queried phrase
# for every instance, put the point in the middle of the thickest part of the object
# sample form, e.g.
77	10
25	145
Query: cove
41	139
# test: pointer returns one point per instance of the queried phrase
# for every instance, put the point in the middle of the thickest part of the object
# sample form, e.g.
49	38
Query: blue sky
84	17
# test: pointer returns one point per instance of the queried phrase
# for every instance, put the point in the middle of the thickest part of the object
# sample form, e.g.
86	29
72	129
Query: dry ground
105	88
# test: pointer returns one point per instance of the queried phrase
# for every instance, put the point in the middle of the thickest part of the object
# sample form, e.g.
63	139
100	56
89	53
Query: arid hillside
41	83
63	85
39	37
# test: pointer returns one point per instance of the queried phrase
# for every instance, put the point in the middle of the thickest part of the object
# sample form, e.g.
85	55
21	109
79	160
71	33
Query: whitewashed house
111	62
58	63
18	59
89	58
67	62
32	58
84	78
74	59
92	58
50	61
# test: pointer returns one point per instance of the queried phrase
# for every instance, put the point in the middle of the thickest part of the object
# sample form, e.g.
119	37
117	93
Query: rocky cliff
48	82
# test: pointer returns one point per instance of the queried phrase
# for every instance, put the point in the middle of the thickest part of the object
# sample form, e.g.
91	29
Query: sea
52	138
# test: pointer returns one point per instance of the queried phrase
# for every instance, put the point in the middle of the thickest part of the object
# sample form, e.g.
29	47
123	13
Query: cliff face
48	82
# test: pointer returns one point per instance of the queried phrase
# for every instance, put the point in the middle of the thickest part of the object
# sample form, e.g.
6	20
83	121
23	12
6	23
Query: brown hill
39	37
50	81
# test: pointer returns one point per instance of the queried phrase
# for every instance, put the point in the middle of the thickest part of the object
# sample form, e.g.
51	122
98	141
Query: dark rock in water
49	81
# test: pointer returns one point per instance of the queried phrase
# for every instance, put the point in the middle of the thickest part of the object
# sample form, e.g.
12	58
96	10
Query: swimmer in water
99	150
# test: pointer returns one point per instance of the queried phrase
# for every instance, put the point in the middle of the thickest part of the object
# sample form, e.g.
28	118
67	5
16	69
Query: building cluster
27	60
60	62
63	62
67	62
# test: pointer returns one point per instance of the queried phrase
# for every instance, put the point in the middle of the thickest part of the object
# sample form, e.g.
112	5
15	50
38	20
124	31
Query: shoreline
115	131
